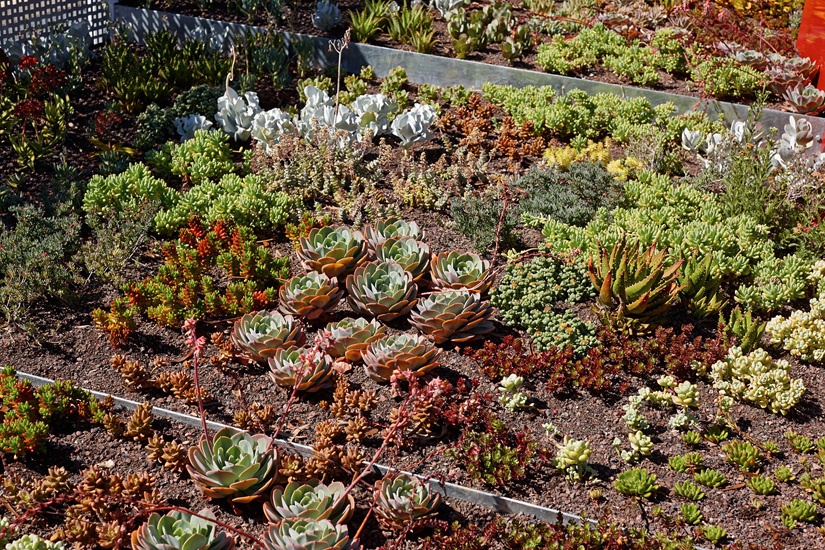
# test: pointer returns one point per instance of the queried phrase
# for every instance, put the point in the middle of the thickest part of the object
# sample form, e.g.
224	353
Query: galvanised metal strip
447	71
497	503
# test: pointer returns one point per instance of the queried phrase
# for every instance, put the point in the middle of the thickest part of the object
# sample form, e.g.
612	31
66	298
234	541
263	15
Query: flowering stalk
339	46
197	346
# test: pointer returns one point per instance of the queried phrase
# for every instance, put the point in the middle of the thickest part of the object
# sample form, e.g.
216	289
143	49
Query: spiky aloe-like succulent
350	337
181	531
401	499
382	290
807	100
307	534
310	370
412	255
461	270
311	500
260	333
700	287
635	287
452	315
310	296
333	251
400	353
234	465
390	228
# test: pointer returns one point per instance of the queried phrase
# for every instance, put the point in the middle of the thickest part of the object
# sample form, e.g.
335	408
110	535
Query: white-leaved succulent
269	126
327	16
237	113
188	125
372	111
414	125
446	6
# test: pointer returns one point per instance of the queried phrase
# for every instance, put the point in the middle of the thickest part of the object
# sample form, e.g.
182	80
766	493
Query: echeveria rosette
333	251
412	255
401	499
286	365
310	500
236	465
390	228
309	296
452	315
350	337
398	354
382	290
807	100
458	270
307	534
181	531
260	333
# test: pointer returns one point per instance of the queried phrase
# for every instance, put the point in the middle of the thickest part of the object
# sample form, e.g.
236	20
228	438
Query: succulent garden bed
584	302
722	51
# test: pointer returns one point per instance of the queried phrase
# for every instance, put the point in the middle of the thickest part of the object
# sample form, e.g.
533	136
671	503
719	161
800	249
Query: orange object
811	40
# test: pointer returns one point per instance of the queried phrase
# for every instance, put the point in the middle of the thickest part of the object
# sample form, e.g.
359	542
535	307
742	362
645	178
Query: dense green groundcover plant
582	116
228	197
35	259
685	220
528	293
572	196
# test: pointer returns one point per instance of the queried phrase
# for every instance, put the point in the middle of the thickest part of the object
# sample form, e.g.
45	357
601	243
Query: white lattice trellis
22	17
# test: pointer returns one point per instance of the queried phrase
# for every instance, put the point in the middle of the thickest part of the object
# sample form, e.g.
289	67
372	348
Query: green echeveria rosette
309	296
260	333
350	337
400	353
180	531
307	534
285	367
333	251
402	499
458	270
310	500
452	315
382	290
239	466
412	255
390	228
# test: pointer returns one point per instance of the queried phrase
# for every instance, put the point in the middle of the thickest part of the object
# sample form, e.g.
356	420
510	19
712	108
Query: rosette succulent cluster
260	333
333	251
350	337
307	534
572	458
234	465
412	255
309	370
310	296
181	531
382	290
310	500
458	270
390	228
758	379
401	499
807	100
452	315
400	353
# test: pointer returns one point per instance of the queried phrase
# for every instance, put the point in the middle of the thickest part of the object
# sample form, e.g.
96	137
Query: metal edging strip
447	71
496	503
